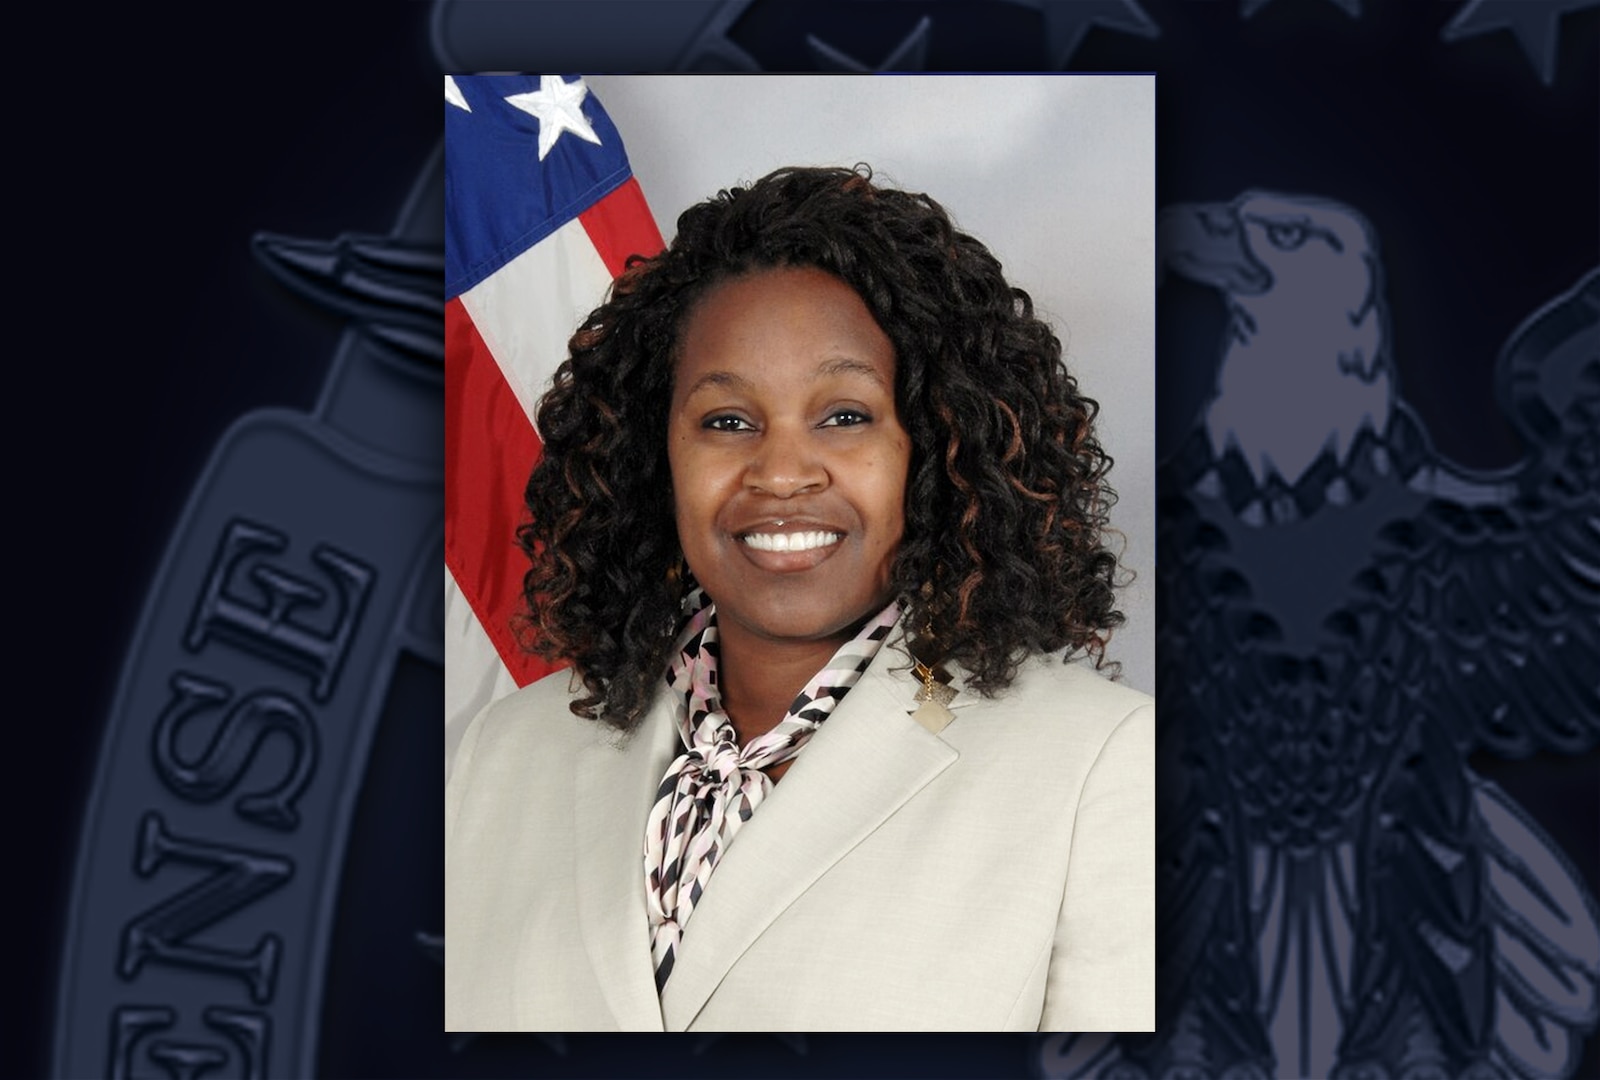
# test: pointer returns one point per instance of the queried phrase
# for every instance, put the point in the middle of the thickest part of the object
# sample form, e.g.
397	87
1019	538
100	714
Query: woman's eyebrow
728	380
844	365
725	380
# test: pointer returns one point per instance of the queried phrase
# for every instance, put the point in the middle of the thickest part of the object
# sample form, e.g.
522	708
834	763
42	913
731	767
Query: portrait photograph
799	591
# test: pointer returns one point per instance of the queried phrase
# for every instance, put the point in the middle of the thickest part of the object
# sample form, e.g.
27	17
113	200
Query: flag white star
558	106
452	93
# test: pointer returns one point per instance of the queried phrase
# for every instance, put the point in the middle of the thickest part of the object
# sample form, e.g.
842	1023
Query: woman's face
788	459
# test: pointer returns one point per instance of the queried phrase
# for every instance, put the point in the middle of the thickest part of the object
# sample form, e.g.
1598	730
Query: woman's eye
846	418
727	423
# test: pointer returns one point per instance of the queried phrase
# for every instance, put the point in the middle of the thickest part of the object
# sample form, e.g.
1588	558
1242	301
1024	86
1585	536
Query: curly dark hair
1006	500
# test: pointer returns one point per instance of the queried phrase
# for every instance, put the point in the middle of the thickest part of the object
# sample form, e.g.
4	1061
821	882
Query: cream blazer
995	876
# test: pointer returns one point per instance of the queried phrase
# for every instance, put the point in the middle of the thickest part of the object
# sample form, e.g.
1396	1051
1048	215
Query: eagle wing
1474	622
1492	592
1506	589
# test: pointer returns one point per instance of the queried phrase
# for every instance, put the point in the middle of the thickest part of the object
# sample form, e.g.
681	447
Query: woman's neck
759	678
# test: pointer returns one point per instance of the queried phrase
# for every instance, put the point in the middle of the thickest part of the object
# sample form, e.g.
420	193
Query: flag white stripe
527	311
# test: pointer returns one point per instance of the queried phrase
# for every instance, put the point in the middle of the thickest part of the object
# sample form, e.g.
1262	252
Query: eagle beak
1206	243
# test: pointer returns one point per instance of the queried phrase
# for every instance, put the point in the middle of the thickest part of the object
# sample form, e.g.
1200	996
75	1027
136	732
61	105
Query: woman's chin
800	622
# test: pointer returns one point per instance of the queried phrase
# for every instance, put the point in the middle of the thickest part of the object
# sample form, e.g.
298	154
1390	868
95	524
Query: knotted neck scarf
711	789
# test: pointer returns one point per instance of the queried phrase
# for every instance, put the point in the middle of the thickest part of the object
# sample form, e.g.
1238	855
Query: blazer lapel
615	790
861	766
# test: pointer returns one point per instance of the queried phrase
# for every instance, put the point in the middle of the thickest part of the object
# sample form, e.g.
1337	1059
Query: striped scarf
711	789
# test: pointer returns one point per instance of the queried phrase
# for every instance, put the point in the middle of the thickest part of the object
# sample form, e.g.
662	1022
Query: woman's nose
786	463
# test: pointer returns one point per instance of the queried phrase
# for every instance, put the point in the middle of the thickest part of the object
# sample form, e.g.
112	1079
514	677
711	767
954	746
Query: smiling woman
788	477
819	502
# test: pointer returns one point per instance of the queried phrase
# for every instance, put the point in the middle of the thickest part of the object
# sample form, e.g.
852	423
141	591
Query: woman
819	517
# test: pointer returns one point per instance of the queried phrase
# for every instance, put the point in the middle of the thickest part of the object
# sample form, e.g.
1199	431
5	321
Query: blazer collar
616	788
861	766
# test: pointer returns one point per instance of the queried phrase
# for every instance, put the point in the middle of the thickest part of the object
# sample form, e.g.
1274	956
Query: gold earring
934	695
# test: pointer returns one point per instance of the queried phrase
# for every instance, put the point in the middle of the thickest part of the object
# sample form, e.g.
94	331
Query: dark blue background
152	329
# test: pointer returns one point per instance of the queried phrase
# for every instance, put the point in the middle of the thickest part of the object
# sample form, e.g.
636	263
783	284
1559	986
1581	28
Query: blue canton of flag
526	155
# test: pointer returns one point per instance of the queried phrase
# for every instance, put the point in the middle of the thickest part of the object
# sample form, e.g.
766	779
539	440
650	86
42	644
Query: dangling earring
933	694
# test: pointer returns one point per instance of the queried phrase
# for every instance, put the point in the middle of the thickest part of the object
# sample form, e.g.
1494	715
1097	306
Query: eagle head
1305	362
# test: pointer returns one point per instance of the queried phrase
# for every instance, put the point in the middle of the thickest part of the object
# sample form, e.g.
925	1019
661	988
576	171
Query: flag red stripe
621	225
491	440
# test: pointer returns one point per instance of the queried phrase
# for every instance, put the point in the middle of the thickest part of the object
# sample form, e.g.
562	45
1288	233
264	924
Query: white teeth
805	541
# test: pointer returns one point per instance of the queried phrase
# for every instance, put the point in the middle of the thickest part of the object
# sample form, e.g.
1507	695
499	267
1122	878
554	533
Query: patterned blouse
712	788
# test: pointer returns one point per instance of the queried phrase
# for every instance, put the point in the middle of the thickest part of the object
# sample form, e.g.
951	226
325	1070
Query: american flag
541	212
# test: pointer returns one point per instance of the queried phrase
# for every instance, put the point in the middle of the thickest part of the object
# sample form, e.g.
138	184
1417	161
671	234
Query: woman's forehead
791	324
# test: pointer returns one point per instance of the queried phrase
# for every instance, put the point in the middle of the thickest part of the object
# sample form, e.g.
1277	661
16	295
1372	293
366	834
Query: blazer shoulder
539	714
1051	712
1051	692
1050	675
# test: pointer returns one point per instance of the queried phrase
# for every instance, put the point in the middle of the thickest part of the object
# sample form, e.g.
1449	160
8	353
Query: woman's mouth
795	541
